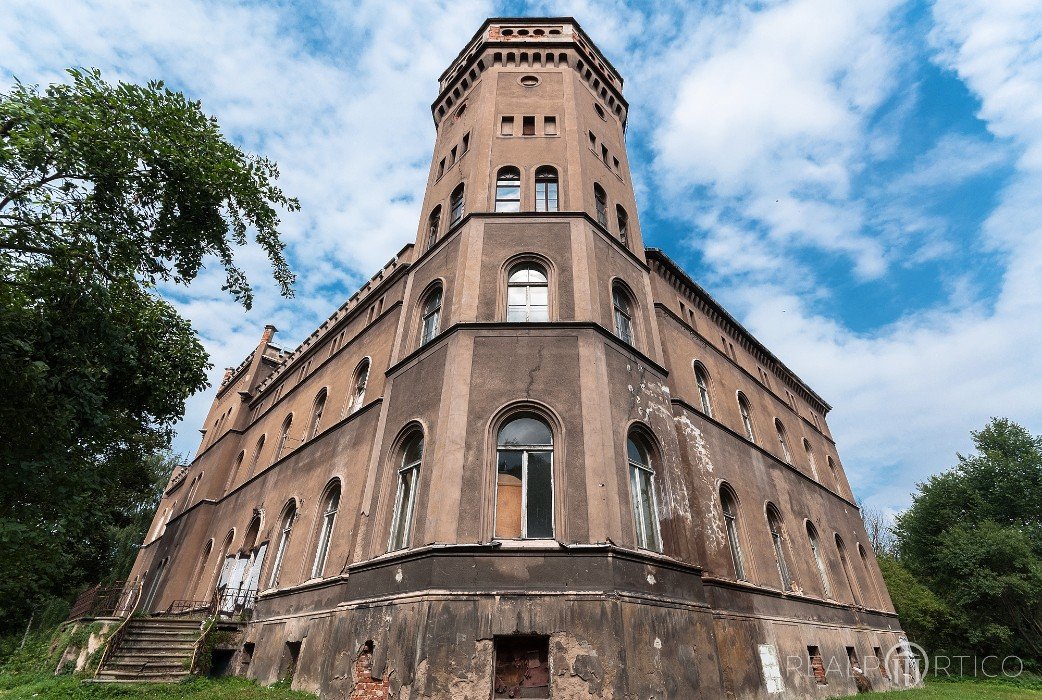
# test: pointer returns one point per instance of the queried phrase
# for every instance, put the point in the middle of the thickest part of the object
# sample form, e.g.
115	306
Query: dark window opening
817	666
528	126
289	661
522	667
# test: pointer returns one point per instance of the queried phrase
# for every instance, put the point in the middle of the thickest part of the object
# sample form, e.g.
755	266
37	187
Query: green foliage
973	536
105	191
924	617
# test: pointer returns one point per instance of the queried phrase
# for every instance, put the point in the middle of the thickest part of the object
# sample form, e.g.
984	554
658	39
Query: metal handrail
116	637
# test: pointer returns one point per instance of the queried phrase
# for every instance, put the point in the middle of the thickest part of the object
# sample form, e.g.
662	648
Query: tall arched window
782	441
456	205
316	414
600	199
256	456
855	592
868	573
729	506
624	223
832	468
810	459
282	444
747	421
330	506
235	470
623	312
431	316
508	189
433	225
546	189
405	496
358	393
524	479
289	515
819	563
702	380
778	540
527	293
642	484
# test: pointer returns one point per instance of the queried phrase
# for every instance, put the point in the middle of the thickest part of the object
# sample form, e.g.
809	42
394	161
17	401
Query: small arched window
600	199
358	393
546	183
702	380
819	562
508	189
624	223
405	496
623	313
527	294
431	316
642	484
316	414
289	515
855	592
782	442
811	459
778	540
524	479
280	447
456	205
256	456
729	506
330	506
747	421
433	226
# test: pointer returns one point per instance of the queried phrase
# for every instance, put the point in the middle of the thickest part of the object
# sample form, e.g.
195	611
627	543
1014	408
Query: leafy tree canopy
105	191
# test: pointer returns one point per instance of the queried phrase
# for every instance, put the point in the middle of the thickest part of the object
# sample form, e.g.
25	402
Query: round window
529	80
459	112
507	32
555	32
600	111
522	32
537	32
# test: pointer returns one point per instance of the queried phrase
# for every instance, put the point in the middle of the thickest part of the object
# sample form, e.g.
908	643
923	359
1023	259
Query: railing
231	602
185	607
116	637
104	601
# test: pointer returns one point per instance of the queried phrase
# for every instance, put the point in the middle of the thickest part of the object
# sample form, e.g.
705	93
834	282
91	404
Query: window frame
288	519
783	442
280	447
626	311
636	469
318	408
359	384
543	184
326	523
746	415
429	331
433	226
819	562
778	540
702	382
512	268
600	202
508	177
404	542
525	450
732	529
457	204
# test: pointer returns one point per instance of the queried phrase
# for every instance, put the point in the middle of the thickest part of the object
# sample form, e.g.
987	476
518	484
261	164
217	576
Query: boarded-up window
817	666
506	127
772	677
522	668
881	662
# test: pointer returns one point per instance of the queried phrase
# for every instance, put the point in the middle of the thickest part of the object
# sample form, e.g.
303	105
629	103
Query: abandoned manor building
529	458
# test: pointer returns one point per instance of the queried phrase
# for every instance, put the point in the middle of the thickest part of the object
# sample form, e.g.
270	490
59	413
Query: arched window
832	468
702	379
778	539
456	205
256	456
527	293
330	505
524	479
747	421
546	189
289	515
819	563
868	572
782	441
235	470
642	483
431	316
358	394
855	592
508	189
729	506
623	312
433	224
810	459
624	223
280	447
405	497
316	414
600	199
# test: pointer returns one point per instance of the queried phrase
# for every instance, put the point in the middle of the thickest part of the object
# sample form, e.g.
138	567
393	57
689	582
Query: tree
880	530
105	191
973	535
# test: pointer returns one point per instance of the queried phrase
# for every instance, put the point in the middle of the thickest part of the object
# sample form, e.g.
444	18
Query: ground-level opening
289	661
522	667
817	665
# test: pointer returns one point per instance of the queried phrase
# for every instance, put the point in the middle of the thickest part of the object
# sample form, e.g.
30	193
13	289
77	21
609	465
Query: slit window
524	480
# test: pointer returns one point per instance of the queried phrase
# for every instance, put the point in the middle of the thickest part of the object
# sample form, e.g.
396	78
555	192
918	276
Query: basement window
522	667
817	666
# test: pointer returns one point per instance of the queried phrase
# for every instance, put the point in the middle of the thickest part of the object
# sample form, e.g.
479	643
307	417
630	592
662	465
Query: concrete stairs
152	649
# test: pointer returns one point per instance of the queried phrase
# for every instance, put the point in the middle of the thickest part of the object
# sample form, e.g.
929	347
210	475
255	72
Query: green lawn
44	687
1026	689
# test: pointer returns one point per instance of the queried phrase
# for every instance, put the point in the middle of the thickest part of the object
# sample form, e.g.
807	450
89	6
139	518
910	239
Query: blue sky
859	183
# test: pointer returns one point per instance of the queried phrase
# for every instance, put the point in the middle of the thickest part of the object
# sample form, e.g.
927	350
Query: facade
530	457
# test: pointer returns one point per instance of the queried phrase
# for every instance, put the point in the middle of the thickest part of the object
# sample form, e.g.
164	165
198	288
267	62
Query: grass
43	687
1026	688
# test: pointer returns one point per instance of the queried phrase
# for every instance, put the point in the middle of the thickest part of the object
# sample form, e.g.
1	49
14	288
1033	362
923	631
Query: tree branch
28	188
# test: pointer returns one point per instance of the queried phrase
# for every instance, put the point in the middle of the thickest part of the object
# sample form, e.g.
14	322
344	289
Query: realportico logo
906	658
911	659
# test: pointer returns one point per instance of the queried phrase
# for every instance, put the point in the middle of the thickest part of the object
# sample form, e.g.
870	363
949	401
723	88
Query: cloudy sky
859	182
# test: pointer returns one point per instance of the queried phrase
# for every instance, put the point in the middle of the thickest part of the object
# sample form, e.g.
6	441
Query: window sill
533	543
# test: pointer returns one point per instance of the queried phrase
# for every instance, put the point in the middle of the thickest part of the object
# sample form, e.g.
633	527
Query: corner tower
530	457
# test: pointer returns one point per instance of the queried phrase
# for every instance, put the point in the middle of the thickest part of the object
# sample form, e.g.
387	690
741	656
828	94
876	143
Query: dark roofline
538	20
661	257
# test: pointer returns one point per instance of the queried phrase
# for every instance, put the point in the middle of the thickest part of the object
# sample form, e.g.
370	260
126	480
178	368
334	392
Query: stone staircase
152	649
